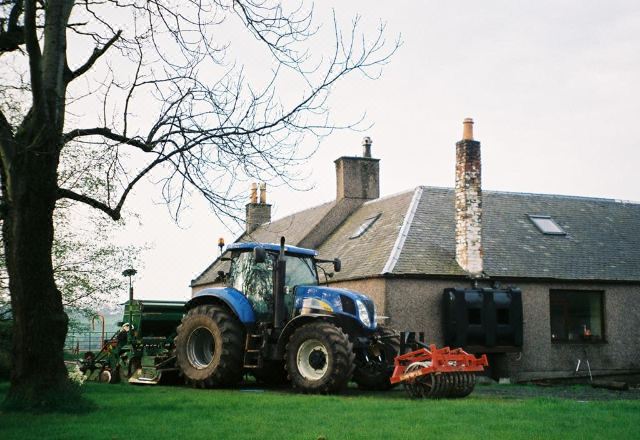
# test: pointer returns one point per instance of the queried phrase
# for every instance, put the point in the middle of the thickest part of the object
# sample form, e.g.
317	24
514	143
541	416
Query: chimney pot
366	146
253	197
263	193
257	213
467	129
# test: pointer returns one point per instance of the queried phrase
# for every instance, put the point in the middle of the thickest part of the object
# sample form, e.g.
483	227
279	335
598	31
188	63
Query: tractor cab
253	272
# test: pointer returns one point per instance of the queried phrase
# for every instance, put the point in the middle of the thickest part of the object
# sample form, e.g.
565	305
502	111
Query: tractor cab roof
291	250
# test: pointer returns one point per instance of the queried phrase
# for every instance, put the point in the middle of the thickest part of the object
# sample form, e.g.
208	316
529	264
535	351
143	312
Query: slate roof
602	240
414	235
294	227
367	255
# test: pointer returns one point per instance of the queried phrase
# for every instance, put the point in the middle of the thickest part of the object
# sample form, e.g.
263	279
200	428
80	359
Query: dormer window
546	225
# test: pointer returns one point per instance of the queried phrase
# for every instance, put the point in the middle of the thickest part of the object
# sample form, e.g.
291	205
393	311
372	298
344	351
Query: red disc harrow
438	372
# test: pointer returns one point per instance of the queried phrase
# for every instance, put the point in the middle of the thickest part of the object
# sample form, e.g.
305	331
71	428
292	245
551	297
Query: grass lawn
135	412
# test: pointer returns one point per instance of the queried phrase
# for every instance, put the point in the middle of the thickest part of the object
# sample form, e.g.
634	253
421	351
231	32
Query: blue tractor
274	320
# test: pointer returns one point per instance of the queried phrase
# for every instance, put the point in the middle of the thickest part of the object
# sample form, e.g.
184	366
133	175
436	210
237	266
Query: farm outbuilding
576	261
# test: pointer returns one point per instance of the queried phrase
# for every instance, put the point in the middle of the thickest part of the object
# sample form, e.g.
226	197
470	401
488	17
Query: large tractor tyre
374	366
319	358
272	374
209	349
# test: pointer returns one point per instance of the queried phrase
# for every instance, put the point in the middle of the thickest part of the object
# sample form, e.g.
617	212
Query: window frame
534	217
583	340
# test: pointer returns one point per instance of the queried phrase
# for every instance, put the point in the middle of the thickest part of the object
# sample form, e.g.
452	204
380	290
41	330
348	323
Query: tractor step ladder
253	345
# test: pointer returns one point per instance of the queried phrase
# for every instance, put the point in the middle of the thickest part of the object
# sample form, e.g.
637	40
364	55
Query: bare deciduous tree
159	96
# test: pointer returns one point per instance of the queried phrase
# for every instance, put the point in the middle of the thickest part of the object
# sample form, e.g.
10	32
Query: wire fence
79	342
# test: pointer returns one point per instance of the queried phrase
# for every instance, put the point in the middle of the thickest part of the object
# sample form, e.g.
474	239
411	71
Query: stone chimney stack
358	177
468	202
257	213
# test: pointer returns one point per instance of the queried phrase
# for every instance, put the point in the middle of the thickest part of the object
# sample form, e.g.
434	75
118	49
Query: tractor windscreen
300	271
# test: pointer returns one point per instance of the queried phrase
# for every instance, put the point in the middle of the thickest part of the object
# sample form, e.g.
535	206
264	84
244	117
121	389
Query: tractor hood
320	299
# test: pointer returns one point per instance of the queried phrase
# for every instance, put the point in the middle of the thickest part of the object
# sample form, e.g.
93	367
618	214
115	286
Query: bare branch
107	133
97	53
68	194
33	49
13	36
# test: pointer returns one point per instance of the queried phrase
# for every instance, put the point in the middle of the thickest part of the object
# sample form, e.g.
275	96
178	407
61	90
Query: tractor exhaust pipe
279	286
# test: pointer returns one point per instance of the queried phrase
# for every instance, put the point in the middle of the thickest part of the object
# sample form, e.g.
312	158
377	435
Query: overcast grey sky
552	87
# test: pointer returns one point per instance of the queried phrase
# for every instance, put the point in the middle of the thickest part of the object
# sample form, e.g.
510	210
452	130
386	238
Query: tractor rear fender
235	301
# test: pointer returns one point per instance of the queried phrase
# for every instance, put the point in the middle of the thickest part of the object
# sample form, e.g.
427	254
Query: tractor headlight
363	314
316	304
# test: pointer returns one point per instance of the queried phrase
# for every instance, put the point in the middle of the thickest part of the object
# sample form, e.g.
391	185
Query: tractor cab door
301	271
255	281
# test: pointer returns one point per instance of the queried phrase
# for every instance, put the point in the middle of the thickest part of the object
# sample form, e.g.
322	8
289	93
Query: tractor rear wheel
374	364
209	349
319	358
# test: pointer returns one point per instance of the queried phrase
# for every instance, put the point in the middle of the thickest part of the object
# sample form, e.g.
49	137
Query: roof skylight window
547	225
365	226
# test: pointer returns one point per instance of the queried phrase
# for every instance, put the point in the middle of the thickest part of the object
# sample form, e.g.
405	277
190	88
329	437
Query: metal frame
438	372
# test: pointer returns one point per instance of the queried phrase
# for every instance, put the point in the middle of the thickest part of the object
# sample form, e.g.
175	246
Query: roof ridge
389	196
404	231
558	196
301	211
563	196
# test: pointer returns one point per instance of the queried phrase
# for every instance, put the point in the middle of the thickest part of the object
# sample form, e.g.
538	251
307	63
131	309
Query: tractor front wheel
209	349
319	358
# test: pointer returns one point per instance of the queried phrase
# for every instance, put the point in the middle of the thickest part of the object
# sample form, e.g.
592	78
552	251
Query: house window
546	225
576	316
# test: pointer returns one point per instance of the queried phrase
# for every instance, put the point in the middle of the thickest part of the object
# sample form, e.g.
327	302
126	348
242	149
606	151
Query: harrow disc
421	386
460	384
439	385
470	384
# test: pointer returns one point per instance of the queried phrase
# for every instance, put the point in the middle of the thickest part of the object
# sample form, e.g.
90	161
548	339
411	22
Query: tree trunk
29	187
38	376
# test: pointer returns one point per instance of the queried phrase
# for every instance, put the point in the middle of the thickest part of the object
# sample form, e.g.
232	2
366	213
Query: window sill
581	342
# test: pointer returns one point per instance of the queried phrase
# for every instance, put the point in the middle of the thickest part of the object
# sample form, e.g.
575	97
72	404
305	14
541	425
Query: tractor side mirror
259	255
337	265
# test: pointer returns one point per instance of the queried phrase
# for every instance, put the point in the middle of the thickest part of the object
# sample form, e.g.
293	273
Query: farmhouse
576	260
